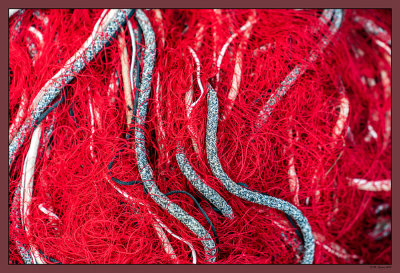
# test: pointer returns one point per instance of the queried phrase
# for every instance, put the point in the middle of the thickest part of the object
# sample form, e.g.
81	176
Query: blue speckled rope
146	171
97	45
372	28
53	91
235	189
209	193
299	69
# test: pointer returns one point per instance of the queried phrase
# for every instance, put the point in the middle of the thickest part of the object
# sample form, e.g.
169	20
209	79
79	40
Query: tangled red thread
325	147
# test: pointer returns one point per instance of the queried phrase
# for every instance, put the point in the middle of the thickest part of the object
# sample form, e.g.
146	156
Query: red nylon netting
98	225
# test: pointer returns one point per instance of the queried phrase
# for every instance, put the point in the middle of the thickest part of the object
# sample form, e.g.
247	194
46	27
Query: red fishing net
325	146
